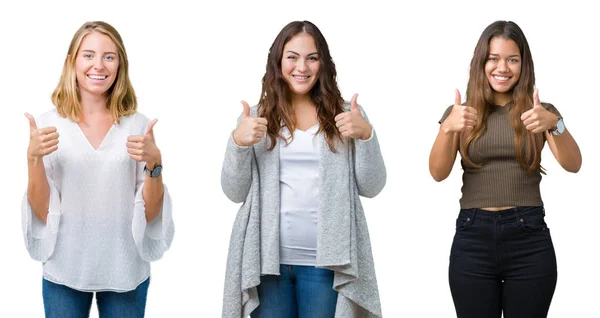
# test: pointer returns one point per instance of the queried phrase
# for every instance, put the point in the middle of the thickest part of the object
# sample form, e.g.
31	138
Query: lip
301	78
97	77
501	79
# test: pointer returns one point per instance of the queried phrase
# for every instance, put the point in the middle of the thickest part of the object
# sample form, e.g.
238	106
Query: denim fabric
63	302
299	291
502	262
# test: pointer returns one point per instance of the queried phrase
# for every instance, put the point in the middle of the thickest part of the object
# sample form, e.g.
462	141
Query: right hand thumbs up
42	141
462	118
250	130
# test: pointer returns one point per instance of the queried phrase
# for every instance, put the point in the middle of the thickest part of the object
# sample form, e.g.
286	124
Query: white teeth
97	77
301	78
501	78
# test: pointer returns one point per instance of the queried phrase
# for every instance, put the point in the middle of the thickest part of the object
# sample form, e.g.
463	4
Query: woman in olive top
502	258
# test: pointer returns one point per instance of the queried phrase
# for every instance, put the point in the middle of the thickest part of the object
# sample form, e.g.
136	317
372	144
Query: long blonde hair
121	100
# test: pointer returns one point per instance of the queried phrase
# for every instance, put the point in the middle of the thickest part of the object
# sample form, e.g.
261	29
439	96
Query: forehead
301	42
98	42
503	46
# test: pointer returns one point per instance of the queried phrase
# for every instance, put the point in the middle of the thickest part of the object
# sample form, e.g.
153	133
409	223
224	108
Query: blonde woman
96	212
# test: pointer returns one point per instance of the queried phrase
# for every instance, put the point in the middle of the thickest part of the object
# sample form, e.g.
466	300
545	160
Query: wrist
367	134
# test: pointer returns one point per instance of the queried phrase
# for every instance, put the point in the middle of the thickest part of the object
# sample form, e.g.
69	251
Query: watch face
156	171
560	126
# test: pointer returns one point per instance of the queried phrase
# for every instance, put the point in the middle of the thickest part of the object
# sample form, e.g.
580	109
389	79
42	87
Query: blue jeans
64	302
299	291
502	262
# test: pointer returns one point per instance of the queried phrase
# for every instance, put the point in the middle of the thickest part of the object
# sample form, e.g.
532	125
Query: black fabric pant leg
529	266
502	261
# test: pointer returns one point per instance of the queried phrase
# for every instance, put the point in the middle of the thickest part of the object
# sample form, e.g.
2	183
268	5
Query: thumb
457	99
353	103
246	112
32	125
536	98
151	124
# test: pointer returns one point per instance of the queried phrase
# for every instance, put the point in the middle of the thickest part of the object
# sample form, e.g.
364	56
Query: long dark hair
480	95
275	98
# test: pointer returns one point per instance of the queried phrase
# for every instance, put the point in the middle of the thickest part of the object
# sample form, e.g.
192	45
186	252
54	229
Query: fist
142	148
461	118
250	130
42	141
538	119
352	124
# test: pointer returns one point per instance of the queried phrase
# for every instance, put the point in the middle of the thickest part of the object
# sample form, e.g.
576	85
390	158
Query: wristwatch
560	128
154	173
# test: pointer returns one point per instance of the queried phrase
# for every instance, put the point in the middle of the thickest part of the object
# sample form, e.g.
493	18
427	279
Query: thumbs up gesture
250	130
352	124
142	148
538	119
461	118
42	141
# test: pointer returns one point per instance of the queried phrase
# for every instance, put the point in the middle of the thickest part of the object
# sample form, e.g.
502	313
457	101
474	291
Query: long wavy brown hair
121	100
275	100
480	95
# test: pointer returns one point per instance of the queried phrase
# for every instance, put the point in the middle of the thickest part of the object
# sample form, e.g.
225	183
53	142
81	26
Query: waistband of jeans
506	214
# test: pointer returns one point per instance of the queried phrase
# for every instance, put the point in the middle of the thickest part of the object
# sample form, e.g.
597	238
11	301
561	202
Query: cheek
286	67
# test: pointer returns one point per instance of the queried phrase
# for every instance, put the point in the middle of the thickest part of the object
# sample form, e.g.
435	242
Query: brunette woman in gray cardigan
299	161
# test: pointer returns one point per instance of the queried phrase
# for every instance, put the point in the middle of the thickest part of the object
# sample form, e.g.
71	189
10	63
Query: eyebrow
313	53
513	55
92	51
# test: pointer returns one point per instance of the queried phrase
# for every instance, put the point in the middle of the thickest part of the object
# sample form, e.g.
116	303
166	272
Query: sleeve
369	168
236	172
446	114
40	237
152	239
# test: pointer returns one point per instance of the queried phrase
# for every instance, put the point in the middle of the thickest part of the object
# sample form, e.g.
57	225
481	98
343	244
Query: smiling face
503	68
300	63
96	64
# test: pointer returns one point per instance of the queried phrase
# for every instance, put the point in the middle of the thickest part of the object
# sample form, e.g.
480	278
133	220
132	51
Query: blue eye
87	56
109	57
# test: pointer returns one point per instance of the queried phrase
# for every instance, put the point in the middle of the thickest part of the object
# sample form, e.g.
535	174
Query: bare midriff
496	208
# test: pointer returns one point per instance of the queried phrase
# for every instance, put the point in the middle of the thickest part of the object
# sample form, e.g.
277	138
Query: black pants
502	262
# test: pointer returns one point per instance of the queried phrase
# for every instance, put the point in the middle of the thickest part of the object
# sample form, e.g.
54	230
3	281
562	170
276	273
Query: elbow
574	168
372	190
437	175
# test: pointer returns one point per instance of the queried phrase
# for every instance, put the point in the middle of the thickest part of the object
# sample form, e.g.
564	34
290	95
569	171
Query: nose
301	65
502	66
98	63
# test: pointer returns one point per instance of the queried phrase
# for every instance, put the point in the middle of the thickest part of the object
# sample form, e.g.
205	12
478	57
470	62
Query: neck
302	101
502	99
93	104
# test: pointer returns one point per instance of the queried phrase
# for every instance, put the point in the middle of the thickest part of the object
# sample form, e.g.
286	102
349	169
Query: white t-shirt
299	197
96	237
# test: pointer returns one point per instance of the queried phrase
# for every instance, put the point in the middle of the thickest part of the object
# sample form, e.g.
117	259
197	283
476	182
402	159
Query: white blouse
299	197
96	237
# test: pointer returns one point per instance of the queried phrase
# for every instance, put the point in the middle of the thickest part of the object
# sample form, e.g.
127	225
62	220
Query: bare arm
443	154
153	194
38	191
565	150
42	142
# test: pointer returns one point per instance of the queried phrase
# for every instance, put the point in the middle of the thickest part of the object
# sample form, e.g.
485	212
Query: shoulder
347	106
551	108
49	118
134	123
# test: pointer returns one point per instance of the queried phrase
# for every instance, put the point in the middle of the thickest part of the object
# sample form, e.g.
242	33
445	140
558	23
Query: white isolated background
192	63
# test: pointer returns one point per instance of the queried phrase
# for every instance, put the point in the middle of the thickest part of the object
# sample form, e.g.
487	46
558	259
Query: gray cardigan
251	175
